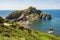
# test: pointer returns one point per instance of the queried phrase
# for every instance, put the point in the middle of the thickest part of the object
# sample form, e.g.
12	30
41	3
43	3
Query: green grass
16	32
20	33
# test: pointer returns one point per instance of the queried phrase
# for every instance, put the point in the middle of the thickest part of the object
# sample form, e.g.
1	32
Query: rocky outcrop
24	17
45	16
49	17
30	14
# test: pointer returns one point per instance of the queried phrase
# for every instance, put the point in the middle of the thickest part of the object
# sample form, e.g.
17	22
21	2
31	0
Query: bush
1	20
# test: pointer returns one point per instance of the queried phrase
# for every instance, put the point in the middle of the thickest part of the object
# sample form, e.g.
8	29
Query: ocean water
45	25
42	25
4	13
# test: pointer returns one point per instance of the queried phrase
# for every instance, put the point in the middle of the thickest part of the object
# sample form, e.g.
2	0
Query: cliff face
30	14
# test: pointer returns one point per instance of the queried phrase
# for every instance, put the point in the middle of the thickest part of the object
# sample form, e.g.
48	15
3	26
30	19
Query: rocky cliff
24	17
30	14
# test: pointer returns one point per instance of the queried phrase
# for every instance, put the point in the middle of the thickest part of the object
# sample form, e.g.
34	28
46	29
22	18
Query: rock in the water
44	16
49	17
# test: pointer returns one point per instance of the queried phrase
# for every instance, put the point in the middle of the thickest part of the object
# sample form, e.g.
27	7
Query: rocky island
24	17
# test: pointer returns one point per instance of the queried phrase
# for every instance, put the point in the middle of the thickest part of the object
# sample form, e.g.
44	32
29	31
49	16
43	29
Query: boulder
49	17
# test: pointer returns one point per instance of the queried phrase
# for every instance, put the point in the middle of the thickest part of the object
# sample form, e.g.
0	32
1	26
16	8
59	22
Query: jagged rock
14	15
41	16
49	17
18	14
44	16
31	12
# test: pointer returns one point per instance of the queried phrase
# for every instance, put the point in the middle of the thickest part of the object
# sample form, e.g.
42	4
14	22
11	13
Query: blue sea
42	25
4	13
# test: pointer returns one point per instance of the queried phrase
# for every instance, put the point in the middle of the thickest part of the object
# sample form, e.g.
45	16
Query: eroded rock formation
32	13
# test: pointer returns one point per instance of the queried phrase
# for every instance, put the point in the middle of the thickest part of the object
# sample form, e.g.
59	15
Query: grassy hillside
13	31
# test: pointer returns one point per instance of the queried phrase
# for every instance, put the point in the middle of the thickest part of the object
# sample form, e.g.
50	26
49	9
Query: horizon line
24	9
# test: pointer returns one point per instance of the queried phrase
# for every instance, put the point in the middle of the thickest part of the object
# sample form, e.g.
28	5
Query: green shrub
1	20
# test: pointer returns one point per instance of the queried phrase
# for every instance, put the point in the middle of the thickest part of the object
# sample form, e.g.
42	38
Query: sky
23	4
